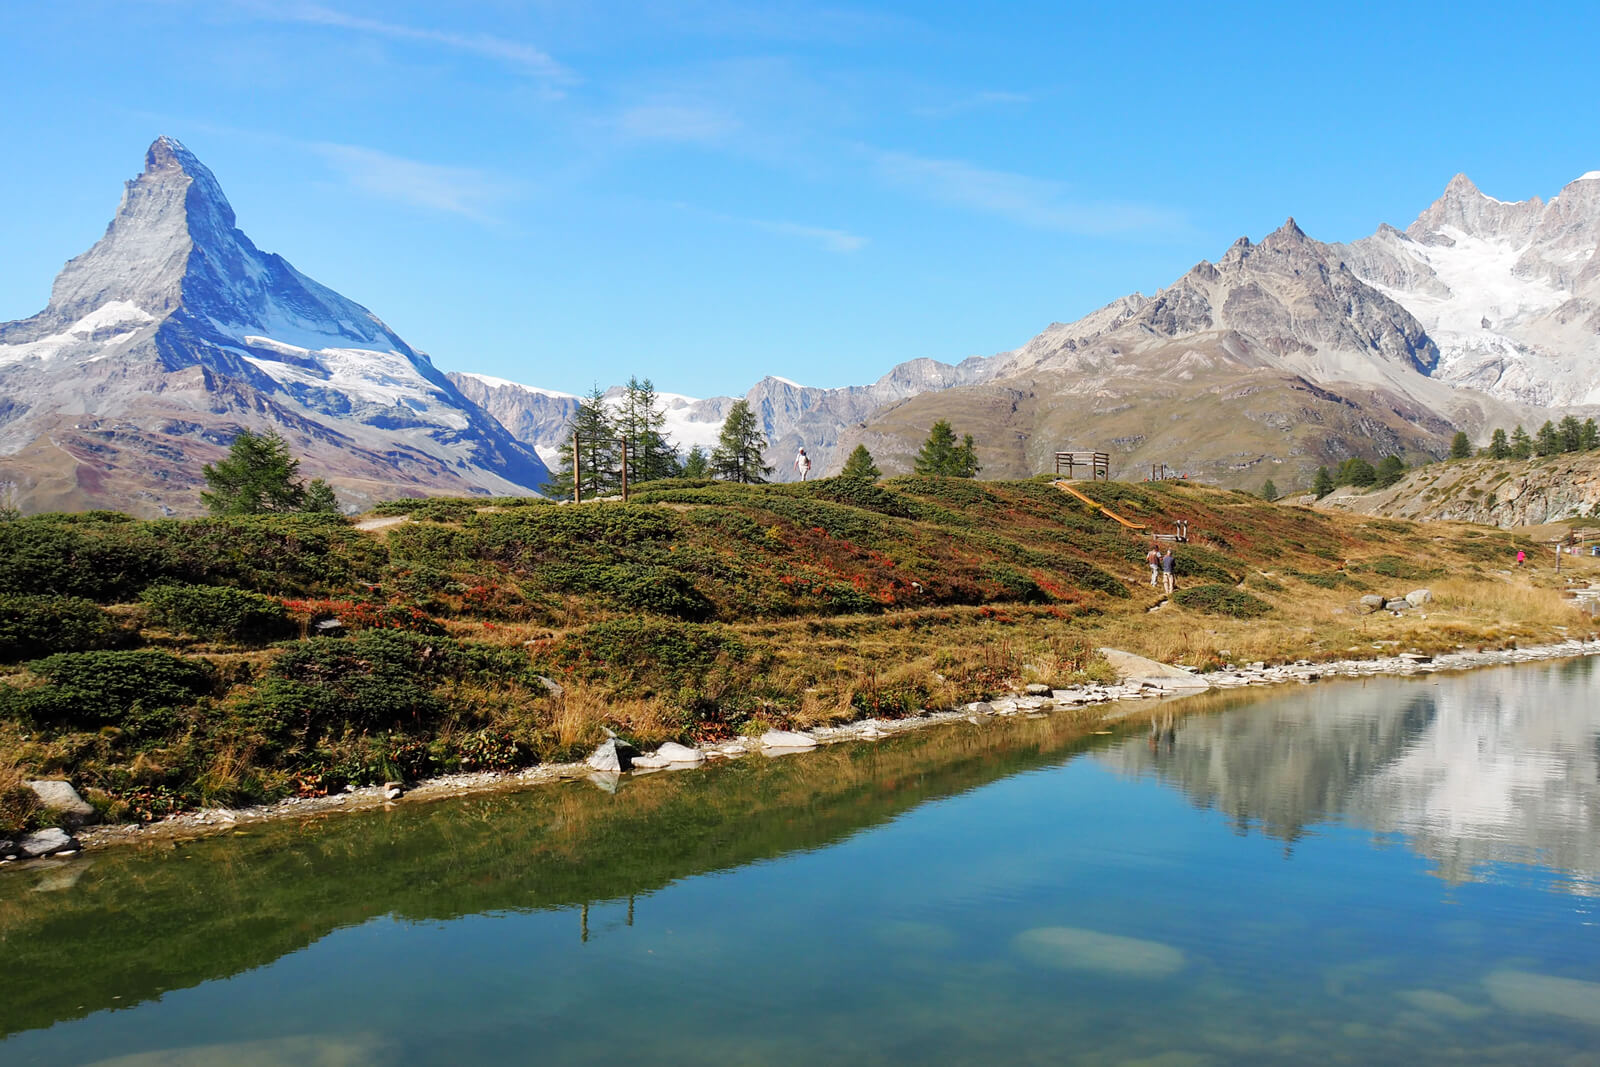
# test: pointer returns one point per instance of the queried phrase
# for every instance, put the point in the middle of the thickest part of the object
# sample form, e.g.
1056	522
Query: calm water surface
1396	870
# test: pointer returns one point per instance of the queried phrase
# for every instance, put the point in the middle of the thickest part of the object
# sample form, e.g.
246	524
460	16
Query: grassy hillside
166	664
1564	487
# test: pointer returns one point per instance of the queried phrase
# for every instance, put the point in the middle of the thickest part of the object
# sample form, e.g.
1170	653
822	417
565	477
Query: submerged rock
70	808
1542	994
1076	949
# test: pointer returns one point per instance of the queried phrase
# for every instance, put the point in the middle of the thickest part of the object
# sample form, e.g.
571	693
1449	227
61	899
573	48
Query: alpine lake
1390	870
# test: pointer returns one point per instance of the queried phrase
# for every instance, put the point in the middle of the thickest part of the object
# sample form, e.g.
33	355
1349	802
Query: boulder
46	843
1398	604
551	686
670	754
1038	689
8	850
787	739
57	796
328	628
393	790
614	755
1418	597
1370	603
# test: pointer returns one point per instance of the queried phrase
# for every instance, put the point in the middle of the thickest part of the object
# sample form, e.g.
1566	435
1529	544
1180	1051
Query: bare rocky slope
1504	493
174	332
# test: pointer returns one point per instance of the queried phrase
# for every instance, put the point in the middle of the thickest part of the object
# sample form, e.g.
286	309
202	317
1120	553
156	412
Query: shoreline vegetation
175	666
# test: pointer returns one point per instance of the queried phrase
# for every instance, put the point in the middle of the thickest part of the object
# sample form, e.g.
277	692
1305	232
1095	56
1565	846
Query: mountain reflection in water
1497	766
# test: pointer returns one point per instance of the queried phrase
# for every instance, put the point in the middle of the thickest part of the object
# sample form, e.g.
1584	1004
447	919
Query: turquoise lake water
1387	871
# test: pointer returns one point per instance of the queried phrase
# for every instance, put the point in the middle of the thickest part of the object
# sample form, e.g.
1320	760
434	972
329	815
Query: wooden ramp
1066	487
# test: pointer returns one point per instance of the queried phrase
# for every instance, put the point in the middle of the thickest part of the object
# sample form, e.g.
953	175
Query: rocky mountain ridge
173	332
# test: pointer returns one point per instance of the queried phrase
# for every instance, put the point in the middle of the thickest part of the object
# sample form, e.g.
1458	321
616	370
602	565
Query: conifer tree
1547	442
641	424
1460	446
1589	438
258	477
1357	472
1322	485
1499	447
696	464
1521	443
1269	491
1571	433
860	466
1391	470
590	443
737	457
942	456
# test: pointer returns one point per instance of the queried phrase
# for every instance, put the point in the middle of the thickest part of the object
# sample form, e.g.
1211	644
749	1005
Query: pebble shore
1116	701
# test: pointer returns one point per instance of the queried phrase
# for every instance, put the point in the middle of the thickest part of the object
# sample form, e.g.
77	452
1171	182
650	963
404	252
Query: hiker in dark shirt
1166	570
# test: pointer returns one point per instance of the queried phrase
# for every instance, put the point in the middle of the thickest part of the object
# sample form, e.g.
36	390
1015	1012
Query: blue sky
566	193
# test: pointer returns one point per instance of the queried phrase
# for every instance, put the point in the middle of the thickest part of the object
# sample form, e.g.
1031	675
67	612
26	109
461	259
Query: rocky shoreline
1143	681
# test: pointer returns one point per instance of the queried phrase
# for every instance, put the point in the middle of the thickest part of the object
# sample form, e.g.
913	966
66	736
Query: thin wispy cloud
465	191
826	238
979	101
685	122
1036	202
831	240
490	46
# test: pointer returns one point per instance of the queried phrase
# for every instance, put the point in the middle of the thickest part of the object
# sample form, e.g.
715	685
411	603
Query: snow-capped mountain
174	331
1509	292
540	417
791	415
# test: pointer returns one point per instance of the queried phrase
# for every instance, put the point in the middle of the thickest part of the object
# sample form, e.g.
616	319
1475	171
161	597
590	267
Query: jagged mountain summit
174	332
1510	292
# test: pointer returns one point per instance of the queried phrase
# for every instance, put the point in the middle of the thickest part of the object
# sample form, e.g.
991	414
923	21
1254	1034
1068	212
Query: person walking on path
1166	571
1522	558
1153	557
802	463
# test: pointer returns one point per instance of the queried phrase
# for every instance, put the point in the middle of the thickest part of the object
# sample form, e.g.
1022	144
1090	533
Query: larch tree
641	424
591	447
1323	483
1521	443
1499	447
258	477
1269	492
737	457
1460	446
859	465
941	456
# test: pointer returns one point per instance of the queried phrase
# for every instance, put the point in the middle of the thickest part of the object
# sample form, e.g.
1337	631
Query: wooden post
624	471
577	469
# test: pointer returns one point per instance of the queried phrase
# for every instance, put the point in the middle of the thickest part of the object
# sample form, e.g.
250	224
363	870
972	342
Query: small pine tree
941	456
1460	446
320	498
1548	441
1589	438
258	477
1269	491
1322	484
697	464
1521	443
1499	447
1391	470
589	443
737	457
860	466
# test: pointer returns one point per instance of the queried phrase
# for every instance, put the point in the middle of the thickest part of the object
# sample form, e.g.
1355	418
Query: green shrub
643	588
217	612
1397	567
1222	600
37	625
132	689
